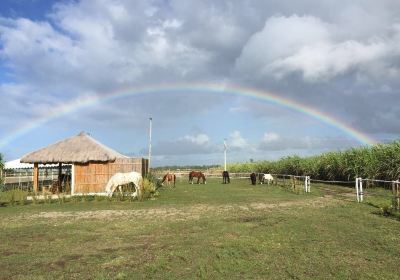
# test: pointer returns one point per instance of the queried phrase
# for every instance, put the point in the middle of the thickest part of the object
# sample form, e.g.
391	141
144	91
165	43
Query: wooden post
35	177
358	196
293	182
395	203
397	195
59	174
394	188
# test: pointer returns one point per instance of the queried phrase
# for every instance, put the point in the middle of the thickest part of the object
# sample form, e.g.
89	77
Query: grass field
211	231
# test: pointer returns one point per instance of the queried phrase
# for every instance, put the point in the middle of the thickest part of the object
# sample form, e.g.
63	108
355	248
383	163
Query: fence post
308	178
293	182
397	195
307	184
361	190
358	197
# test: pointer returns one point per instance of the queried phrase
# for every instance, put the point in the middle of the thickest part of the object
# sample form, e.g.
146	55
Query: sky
341	59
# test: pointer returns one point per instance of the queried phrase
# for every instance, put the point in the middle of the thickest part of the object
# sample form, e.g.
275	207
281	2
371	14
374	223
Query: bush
148	190
13	197
153	179
387	210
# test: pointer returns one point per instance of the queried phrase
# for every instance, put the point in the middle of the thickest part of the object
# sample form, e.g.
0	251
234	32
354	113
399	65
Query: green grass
212	231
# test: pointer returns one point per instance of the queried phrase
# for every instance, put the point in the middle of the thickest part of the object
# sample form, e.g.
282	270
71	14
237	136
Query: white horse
268	178
119	179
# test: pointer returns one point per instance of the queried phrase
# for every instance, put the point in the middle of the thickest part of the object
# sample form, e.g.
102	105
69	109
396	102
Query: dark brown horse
225	177
253	178
169	177
199	175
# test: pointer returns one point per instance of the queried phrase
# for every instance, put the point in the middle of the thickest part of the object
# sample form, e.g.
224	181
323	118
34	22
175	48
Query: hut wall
92	177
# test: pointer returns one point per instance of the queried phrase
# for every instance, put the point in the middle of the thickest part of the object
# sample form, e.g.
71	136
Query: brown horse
253	178
225	177
198	175
169	177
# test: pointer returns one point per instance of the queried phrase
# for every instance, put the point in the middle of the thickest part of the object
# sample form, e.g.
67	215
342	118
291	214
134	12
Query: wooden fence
92	177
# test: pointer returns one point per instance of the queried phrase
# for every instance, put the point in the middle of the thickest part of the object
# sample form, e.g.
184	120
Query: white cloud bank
314	48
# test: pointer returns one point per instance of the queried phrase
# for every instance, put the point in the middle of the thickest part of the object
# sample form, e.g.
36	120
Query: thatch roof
78	149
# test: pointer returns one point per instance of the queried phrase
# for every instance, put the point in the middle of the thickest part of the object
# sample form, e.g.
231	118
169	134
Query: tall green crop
381	161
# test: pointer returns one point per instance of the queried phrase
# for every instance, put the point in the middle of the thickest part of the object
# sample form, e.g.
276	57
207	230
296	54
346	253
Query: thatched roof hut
93	163
78	149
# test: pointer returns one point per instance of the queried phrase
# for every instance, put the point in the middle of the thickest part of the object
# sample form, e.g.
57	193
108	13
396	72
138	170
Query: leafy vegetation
184	167
381	161
13	197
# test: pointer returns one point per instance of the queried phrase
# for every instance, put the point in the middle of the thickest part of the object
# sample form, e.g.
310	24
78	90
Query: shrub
13	197
153	179
386	210
148	190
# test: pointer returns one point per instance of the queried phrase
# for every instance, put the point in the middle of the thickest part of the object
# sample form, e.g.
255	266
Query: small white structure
17	164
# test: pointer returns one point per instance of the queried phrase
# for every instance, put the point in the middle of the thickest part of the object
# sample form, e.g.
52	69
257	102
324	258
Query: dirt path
182	213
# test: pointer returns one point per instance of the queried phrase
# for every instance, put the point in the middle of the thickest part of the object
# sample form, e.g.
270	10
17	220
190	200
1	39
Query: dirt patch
192	212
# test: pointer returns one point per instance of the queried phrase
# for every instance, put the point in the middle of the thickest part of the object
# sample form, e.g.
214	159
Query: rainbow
94	99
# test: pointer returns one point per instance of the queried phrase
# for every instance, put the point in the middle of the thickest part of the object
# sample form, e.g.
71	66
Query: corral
211	231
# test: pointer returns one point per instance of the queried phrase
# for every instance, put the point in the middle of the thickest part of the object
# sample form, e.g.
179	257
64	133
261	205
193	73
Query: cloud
187	145
317	54
238	109
270	137
236	141
316	49
96	46
199	139
323	61
274	142
271	43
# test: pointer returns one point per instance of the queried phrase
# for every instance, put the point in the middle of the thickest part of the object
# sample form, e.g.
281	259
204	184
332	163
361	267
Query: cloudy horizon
341	59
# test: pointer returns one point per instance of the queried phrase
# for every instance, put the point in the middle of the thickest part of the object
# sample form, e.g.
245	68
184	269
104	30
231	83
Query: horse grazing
169	177
253	178
225	177
199	175
261	178
268	178
120	179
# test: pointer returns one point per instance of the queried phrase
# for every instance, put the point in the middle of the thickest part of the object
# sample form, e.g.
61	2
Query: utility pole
225	148
148	167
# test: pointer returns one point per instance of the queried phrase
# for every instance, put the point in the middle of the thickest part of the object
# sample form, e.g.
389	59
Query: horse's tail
204	178
109	186
174	179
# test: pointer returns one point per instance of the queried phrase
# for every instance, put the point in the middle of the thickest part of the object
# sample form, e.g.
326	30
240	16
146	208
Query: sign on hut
93	163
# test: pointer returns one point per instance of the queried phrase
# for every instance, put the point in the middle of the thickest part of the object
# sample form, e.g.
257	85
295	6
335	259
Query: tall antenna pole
225	148
148	167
